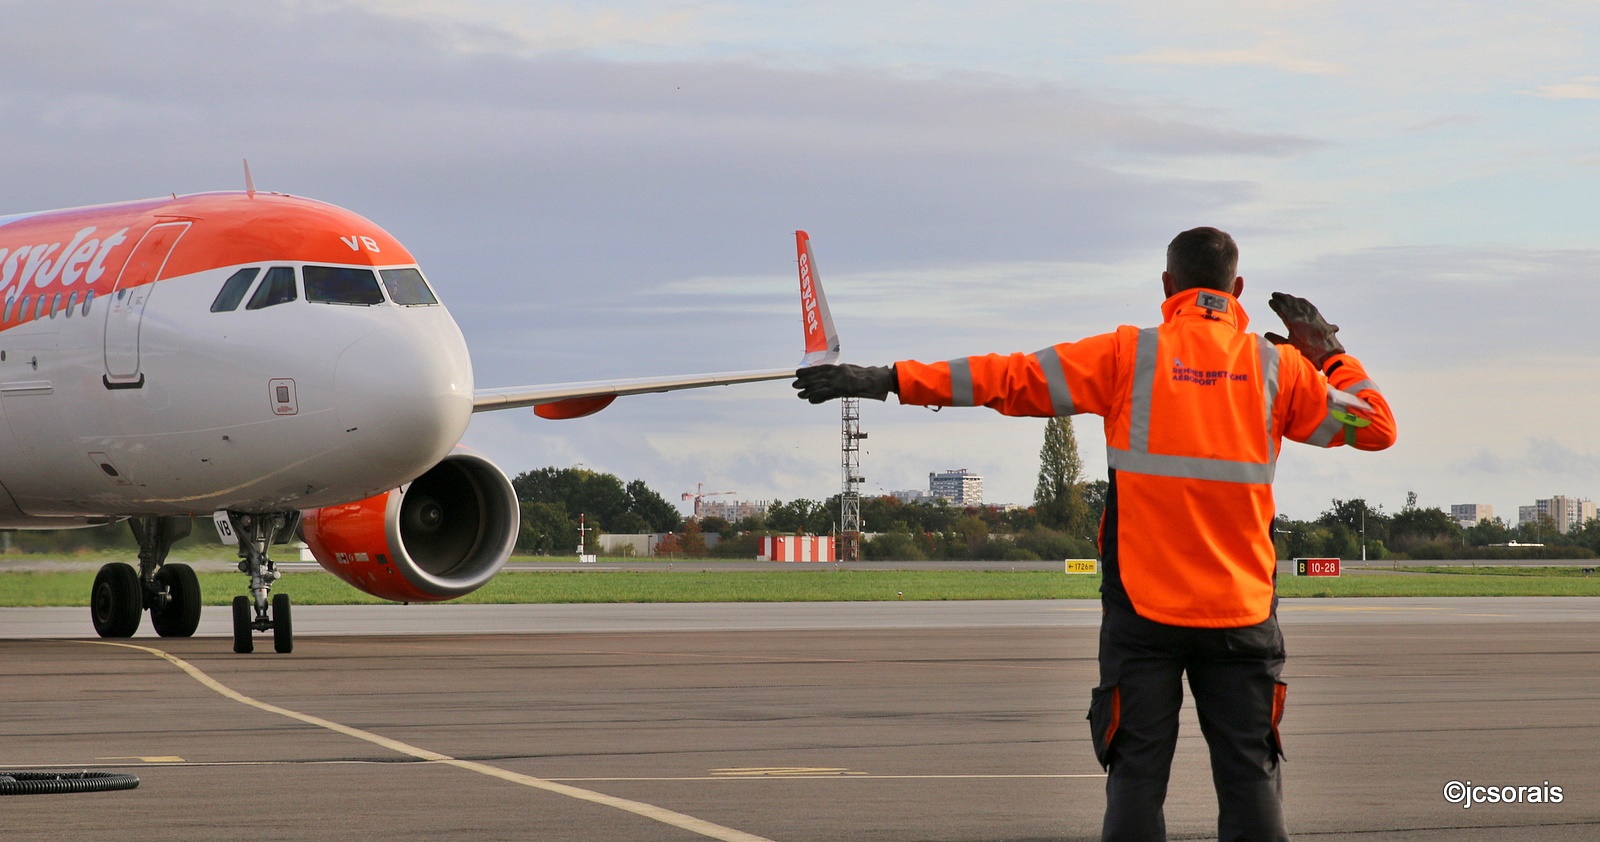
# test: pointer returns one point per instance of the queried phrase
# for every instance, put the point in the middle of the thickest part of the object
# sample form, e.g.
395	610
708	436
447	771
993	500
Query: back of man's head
1203	257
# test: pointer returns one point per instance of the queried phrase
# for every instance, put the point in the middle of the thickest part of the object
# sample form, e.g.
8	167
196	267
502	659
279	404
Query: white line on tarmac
649	811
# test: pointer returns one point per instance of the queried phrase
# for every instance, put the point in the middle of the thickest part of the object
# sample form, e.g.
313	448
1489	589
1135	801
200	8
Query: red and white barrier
797	548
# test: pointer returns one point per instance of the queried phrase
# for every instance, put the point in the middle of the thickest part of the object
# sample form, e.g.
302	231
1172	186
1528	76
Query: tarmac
831	721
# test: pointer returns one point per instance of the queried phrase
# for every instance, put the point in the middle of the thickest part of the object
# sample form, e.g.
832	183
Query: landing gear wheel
116	604
181	615
282	627
243	616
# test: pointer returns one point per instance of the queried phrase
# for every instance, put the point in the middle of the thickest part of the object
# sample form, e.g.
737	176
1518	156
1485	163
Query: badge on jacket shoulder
1212	301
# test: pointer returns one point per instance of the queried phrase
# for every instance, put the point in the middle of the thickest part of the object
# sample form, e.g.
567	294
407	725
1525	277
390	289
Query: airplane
278	364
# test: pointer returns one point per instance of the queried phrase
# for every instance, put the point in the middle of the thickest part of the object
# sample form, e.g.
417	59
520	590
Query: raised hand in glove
1309	333
825	382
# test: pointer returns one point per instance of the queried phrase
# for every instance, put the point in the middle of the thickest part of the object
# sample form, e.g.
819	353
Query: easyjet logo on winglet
83	258
808	296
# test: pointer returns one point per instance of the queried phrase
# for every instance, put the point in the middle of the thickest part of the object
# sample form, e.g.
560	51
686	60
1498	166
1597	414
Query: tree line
1422	534
1062	523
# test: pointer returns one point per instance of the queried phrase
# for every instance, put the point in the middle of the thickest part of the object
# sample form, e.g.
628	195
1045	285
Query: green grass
1565	572
1446	582
829	584
317	588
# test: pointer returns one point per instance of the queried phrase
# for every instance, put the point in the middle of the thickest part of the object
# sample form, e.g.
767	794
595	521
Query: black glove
825	382
1309	333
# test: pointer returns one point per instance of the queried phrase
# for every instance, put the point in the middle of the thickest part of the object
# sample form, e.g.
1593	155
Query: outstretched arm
1060	380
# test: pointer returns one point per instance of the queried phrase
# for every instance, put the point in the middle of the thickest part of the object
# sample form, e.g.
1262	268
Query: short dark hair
1203	257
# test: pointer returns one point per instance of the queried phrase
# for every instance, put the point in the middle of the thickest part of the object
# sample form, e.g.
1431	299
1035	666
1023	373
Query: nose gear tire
282	627
243	616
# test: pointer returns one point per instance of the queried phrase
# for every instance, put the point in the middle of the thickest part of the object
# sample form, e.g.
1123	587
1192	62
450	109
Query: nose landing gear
256	534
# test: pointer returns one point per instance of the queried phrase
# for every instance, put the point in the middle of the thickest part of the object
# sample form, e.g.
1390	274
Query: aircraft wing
575	400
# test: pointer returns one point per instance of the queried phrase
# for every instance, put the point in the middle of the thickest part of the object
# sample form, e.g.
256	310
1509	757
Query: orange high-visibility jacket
1195	413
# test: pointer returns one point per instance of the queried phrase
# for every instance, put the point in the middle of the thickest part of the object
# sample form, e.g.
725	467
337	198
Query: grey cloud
1448	307
1542	456
549	195
604	170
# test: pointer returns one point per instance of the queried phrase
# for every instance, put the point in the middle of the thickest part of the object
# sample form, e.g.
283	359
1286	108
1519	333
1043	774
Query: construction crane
699	493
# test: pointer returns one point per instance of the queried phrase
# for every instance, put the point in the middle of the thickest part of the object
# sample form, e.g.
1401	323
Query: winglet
822	341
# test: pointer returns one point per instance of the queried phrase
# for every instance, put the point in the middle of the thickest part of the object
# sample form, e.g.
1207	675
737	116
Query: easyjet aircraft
276	363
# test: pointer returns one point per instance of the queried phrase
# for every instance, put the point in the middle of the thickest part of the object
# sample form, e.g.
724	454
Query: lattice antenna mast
851	479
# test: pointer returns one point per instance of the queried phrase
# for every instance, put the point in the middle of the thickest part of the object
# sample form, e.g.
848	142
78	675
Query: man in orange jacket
1195	413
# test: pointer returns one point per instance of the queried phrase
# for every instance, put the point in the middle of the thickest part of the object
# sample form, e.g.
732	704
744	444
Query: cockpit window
406	286
341	285
233	290
276	288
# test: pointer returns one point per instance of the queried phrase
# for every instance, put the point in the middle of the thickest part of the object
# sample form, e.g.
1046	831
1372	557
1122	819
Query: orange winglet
573	407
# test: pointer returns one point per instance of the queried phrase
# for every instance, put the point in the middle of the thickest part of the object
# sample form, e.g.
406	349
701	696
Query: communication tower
850	475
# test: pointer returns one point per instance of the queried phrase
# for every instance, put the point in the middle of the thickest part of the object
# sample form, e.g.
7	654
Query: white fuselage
146	402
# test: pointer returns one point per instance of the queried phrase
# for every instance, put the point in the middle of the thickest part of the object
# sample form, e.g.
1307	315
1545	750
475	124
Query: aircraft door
127	302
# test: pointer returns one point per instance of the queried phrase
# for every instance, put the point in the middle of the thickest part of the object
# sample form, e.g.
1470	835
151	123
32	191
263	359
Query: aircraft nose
404	398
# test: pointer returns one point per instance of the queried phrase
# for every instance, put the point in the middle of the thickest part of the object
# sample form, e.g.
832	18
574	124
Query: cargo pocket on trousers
1280	693
1105	714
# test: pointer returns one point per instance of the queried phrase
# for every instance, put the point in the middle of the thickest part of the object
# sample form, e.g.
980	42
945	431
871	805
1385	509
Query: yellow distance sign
1082	565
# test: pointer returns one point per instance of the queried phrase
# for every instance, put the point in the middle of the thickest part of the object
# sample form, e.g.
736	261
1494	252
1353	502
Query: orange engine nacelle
443	535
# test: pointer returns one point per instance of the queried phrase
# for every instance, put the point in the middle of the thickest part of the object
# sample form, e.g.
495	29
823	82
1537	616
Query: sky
609	189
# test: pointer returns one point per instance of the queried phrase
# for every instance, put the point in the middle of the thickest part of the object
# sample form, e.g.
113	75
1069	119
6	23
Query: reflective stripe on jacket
1195	413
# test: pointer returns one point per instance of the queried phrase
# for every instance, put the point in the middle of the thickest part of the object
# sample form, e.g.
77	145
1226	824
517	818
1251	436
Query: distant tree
692	540
1587	535
744	546
884	514
1412	528
1355	515
972	531
716	525
1058	494
1053	544
800	515
1094	502
753	523
1541	530
629	523
654	509
1491	531
893	546
547	530
603	498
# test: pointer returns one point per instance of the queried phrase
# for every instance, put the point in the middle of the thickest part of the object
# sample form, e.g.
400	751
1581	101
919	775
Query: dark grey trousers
1133	716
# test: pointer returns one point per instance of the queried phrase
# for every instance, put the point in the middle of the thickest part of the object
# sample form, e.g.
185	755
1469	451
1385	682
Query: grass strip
1567	571
71	588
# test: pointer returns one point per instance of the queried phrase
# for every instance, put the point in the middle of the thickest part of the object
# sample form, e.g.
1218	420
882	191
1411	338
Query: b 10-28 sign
1316	567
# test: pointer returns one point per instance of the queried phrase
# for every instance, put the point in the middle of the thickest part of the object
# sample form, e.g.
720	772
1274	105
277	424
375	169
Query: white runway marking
649	811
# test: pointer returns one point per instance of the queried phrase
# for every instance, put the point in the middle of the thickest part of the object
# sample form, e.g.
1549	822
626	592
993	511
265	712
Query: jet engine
443	535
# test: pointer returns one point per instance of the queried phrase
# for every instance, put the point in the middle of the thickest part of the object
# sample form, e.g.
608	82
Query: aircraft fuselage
133	383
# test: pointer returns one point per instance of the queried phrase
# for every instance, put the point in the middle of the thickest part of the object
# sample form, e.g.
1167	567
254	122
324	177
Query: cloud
589	217
1434	308
1541	456
1253	57
1583	87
